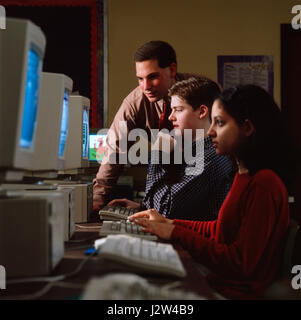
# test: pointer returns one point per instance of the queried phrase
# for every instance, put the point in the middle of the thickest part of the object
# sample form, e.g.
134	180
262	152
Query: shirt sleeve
242	255
110	169
204	229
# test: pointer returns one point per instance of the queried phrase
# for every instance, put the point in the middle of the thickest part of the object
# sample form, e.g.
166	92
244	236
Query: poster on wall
246	69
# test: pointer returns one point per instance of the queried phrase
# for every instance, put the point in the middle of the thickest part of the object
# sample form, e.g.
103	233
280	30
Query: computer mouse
127	286
117	286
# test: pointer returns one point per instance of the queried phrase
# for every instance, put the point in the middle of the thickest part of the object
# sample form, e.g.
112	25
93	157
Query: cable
43	291
52	278
53	281
78	248
83	240
87	227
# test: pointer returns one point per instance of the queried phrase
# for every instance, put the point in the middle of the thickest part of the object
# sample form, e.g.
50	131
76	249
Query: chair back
289	248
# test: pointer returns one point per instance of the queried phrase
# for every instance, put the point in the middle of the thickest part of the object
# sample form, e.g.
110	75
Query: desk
75	254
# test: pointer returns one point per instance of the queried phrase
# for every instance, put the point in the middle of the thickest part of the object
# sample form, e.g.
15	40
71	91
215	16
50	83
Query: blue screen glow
85	133
64	124
31	99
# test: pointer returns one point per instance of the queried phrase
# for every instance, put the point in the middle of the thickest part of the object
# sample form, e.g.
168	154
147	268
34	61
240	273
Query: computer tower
60	199
64	205
31	236
70	217
83	195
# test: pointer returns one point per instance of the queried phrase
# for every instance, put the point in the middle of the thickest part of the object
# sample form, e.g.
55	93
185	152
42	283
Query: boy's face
153	80
183	116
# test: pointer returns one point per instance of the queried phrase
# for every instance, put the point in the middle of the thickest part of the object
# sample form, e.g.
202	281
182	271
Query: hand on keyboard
124	203
150	214
115	213
125	227
147	256
162	230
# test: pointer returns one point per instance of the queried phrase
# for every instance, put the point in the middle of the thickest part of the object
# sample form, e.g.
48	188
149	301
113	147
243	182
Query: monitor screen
64	124
97	147
85	132
31	99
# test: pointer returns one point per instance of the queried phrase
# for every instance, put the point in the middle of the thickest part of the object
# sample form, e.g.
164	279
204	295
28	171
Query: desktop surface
84	237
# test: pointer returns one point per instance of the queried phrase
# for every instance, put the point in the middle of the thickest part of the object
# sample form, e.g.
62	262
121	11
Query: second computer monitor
52	124
77	147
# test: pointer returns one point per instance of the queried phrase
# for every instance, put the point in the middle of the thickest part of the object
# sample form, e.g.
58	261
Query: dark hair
196	91
269	146
159	50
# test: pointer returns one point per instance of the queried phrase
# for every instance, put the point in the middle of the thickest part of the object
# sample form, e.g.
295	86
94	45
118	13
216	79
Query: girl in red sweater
243	246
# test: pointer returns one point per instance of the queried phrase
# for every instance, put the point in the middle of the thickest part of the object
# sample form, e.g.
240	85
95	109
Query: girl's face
227	136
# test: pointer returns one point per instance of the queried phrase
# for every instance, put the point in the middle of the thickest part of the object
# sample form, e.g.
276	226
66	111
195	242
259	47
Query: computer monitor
52	124
97	145
22	49
77	147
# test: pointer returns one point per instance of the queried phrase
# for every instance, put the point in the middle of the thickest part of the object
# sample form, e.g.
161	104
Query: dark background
67	31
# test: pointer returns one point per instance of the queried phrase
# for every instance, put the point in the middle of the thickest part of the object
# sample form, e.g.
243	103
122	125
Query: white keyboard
115	213
125	227
143	255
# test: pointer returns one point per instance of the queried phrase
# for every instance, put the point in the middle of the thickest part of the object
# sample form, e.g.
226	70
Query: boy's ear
203	111
248	127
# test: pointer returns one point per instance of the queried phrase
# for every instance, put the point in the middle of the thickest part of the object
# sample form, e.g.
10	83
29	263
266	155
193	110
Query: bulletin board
246	69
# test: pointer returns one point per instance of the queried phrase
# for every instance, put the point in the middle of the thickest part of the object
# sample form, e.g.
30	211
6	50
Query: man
189	190
146	107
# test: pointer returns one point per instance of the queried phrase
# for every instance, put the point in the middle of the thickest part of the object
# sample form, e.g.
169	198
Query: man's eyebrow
149	75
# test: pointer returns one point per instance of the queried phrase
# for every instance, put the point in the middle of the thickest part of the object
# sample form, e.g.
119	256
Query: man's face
153	80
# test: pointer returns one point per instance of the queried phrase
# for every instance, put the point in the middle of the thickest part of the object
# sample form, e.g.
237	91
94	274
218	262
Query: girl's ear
248	127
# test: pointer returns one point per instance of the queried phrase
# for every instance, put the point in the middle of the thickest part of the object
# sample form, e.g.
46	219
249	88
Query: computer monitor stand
11	175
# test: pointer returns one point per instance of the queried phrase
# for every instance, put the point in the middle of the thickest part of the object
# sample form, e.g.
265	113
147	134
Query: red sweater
243	247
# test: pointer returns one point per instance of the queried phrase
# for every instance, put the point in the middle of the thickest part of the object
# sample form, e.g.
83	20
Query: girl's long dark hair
269	147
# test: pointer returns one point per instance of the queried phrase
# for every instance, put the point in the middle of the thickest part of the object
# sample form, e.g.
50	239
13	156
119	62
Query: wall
199	30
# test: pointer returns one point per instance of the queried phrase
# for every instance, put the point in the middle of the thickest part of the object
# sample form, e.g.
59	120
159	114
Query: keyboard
144	255
115	213
125	227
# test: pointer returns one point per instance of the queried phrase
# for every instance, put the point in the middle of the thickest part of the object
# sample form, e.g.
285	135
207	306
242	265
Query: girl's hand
151	215
162	230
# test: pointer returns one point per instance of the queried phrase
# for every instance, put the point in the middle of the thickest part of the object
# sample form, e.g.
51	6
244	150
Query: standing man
146	107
